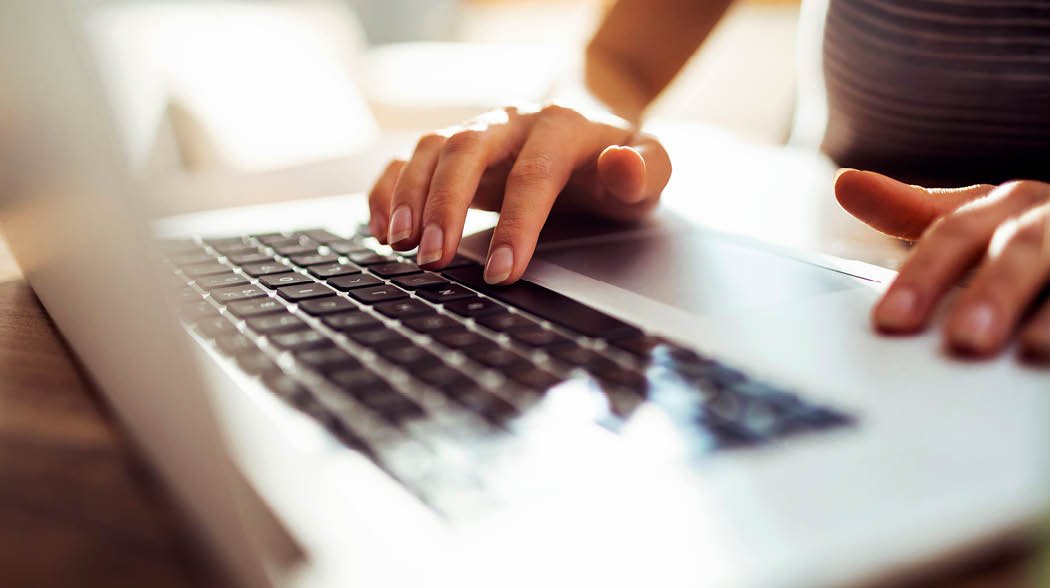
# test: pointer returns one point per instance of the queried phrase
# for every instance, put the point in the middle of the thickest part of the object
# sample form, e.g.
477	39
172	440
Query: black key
539	337
256	270
585	358
446	378
642	346
558	309
276	323
484	403
352	321
533	378
270	238
251	257
192	258
410	357
321	306
346	247
235	249
622	377
286	387
378	338
459	262
304	291
460	339
443	294
260	306
432	323
369	257
345	283
258	364
327	360
236	344
204	269
286	279
314	259
215	327
320	235
506	322
376	294
221	281
296	247
300	340
397	268
390	404
332	270
400	309
474	307
498	357
228	295
356	378
417	281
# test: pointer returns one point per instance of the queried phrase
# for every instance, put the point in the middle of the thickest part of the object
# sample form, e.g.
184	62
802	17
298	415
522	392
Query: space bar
548	304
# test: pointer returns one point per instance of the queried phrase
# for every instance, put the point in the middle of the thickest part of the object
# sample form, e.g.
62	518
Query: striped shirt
939	91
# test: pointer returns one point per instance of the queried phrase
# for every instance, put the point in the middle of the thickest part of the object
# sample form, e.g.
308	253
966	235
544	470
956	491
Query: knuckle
1026	237
440	199
560	114
960	226
511	226
463	142
534	169
429	141
1025	192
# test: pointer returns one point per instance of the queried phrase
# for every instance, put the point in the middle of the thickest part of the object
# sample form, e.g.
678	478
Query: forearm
615	87
640	48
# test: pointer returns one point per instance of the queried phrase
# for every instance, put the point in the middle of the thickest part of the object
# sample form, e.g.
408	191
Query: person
916	90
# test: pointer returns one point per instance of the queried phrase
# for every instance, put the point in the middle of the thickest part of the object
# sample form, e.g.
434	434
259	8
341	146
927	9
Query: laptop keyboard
407	365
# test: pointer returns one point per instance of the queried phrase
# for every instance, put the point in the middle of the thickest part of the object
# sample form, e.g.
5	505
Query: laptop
653	405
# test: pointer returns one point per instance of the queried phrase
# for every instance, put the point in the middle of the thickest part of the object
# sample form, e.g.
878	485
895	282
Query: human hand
1001	232
521	163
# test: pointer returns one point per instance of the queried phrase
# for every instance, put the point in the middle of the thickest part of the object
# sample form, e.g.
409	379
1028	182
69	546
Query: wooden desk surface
78	509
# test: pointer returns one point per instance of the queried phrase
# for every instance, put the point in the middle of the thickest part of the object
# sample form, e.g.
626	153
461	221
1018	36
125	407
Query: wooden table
77	507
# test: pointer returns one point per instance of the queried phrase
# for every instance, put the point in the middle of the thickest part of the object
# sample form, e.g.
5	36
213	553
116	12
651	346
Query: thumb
632	174
895	208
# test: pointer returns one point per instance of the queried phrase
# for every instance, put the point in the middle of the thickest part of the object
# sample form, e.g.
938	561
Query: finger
950	247
560	140
1003	288
463	161
896	208
410	193
636	173
379	199
1035	338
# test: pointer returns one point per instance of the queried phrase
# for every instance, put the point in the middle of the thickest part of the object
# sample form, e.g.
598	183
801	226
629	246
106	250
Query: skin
531	162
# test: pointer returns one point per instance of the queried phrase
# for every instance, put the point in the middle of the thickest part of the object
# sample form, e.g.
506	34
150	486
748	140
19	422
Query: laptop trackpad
696	271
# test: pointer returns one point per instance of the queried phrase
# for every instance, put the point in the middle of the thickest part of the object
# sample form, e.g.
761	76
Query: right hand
517	162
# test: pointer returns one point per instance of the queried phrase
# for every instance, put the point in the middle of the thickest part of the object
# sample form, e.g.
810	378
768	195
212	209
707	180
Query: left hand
1001	232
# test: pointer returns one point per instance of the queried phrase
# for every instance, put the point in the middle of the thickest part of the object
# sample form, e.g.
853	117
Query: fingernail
501	262
897	310
400	224
430	245
976	329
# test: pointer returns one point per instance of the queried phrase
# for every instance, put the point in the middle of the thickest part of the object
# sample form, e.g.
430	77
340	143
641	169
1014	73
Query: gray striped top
939	91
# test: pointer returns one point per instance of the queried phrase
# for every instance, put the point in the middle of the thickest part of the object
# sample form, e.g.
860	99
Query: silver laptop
655	405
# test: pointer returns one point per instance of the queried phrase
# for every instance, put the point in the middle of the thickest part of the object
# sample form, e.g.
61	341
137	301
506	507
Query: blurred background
246	101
